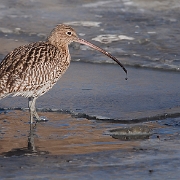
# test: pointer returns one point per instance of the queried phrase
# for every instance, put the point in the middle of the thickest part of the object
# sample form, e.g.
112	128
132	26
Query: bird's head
62	35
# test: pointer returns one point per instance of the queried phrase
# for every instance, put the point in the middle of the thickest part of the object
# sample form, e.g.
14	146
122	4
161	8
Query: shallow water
139	33
101	92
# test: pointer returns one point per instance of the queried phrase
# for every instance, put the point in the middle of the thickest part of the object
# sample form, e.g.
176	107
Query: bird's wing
28	67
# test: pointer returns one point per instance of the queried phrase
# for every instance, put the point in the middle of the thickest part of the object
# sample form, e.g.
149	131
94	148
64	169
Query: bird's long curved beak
82	41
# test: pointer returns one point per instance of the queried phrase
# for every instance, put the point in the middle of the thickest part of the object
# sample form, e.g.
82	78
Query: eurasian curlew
32	70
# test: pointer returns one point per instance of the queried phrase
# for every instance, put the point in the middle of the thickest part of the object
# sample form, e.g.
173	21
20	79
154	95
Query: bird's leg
31	145
32	109
30	99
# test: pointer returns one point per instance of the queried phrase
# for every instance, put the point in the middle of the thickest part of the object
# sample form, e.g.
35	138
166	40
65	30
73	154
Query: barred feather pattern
33	69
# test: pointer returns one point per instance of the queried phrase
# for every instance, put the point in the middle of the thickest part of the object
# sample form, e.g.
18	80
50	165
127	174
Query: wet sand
61	135
76	148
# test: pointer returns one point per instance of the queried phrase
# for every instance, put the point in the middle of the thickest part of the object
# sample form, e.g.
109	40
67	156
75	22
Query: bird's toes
41	119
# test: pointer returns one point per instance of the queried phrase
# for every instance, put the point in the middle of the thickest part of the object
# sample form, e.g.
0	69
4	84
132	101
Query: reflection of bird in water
33	69
31	149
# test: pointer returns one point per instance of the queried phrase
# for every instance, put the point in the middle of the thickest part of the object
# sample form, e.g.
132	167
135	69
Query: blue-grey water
140	33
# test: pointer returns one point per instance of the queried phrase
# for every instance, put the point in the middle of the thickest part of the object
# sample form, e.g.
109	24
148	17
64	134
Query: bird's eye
68	33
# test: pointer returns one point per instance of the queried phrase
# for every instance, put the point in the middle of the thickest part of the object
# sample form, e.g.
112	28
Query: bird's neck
63	50
60	44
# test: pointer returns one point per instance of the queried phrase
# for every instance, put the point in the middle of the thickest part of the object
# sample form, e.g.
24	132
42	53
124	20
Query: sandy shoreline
70	146
66	144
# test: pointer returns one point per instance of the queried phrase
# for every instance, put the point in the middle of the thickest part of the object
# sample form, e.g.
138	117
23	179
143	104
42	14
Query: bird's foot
38	118
41	119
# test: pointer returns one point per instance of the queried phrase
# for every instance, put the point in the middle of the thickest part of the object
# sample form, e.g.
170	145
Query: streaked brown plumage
33	69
